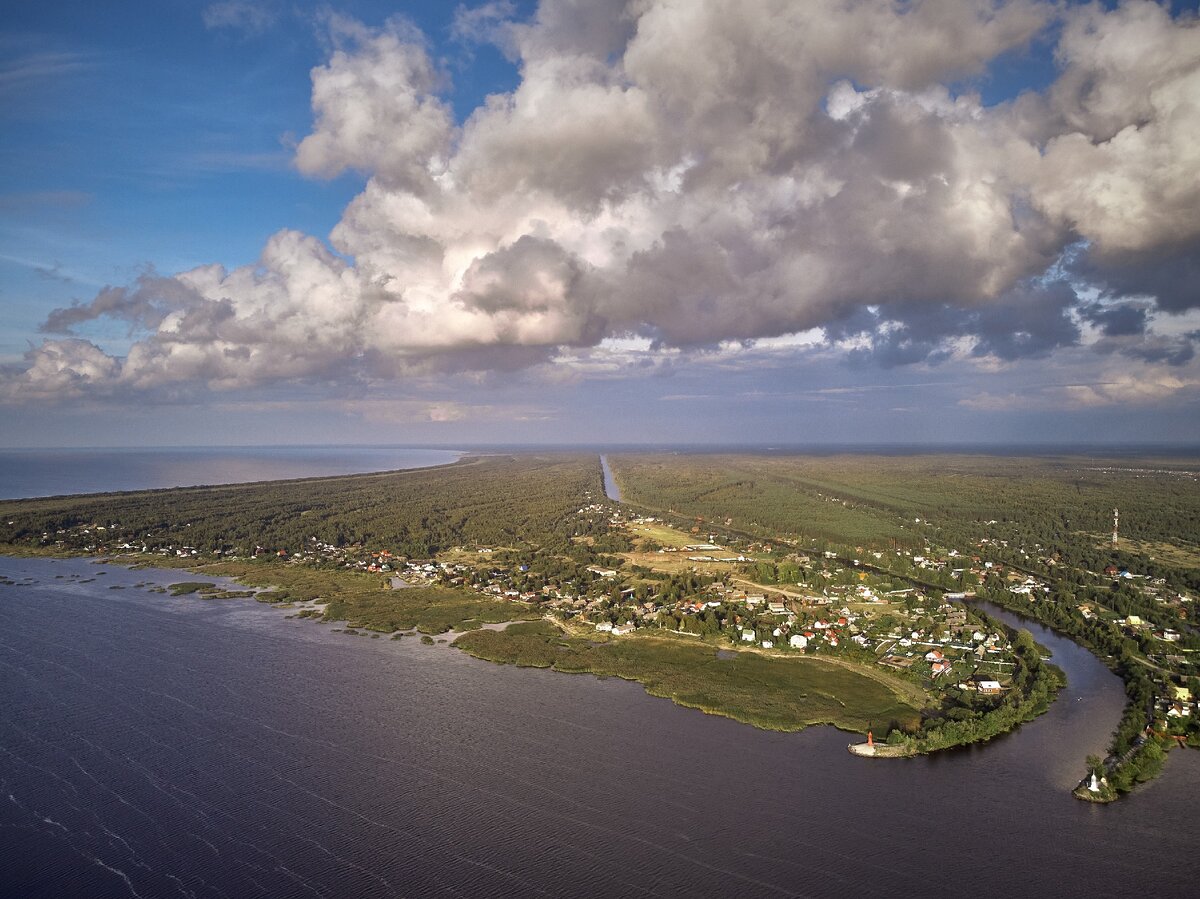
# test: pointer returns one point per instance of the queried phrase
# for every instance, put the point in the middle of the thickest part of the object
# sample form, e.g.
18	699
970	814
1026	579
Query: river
157	746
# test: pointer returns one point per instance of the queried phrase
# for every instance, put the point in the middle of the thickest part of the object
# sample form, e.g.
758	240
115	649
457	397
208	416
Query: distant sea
54	472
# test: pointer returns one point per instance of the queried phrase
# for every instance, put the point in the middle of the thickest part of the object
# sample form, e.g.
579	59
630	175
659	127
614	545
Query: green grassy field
663	534
1181	554
771	693
362	600
429	610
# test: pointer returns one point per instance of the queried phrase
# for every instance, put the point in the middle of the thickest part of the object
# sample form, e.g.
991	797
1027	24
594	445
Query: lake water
54	472
154	746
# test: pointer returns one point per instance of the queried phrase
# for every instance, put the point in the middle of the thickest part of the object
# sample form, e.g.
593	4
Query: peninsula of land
778	591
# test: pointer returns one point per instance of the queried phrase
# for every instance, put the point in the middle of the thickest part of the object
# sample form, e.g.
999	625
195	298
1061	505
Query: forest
498	500
1060	504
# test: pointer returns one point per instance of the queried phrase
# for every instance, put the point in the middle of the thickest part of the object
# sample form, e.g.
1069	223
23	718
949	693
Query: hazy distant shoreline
27	473
30	473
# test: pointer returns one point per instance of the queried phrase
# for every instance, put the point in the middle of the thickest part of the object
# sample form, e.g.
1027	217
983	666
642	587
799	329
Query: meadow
784	694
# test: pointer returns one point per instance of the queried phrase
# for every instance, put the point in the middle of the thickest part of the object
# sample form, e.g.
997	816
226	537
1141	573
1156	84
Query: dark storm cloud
1174	351
1170	275
1117	320
1031	321
143	305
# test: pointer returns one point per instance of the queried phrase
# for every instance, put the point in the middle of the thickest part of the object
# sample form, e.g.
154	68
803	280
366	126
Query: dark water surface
156	746
55	472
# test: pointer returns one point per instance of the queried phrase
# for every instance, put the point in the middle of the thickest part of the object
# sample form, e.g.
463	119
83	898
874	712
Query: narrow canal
611	490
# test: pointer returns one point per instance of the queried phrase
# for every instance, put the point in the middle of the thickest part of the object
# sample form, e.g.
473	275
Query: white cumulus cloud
693	174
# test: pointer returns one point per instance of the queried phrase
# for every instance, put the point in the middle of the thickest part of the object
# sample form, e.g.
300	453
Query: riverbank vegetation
1136	753
785	694
364	600
430	610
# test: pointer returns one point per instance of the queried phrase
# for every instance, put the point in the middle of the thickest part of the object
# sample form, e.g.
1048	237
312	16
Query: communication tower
1116	518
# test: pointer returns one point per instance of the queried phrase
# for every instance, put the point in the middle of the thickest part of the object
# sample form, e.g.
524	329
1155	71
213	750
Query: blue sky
155	140
224	222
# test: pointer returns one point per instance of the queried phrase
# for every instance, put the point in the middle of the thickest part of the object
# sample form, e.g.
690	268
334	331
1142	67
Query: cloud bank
700	173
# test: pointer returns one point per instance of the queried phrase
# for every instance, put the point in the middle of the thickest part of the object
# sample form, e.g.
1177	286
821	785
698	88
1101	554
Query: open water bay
27	473
154	746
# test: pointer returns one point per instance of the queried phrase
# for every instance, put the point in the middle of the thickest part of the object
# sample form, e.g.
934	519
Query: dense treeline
874	500
493	500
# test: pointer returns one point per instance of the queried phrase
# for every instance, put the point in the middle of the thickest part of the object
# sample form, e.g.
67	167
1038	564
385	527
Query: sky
599	221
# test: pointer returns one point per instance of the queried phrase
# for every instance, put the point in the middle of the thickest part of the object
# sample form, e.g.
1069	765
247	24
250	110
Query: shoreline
319	610
212	460
262	590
